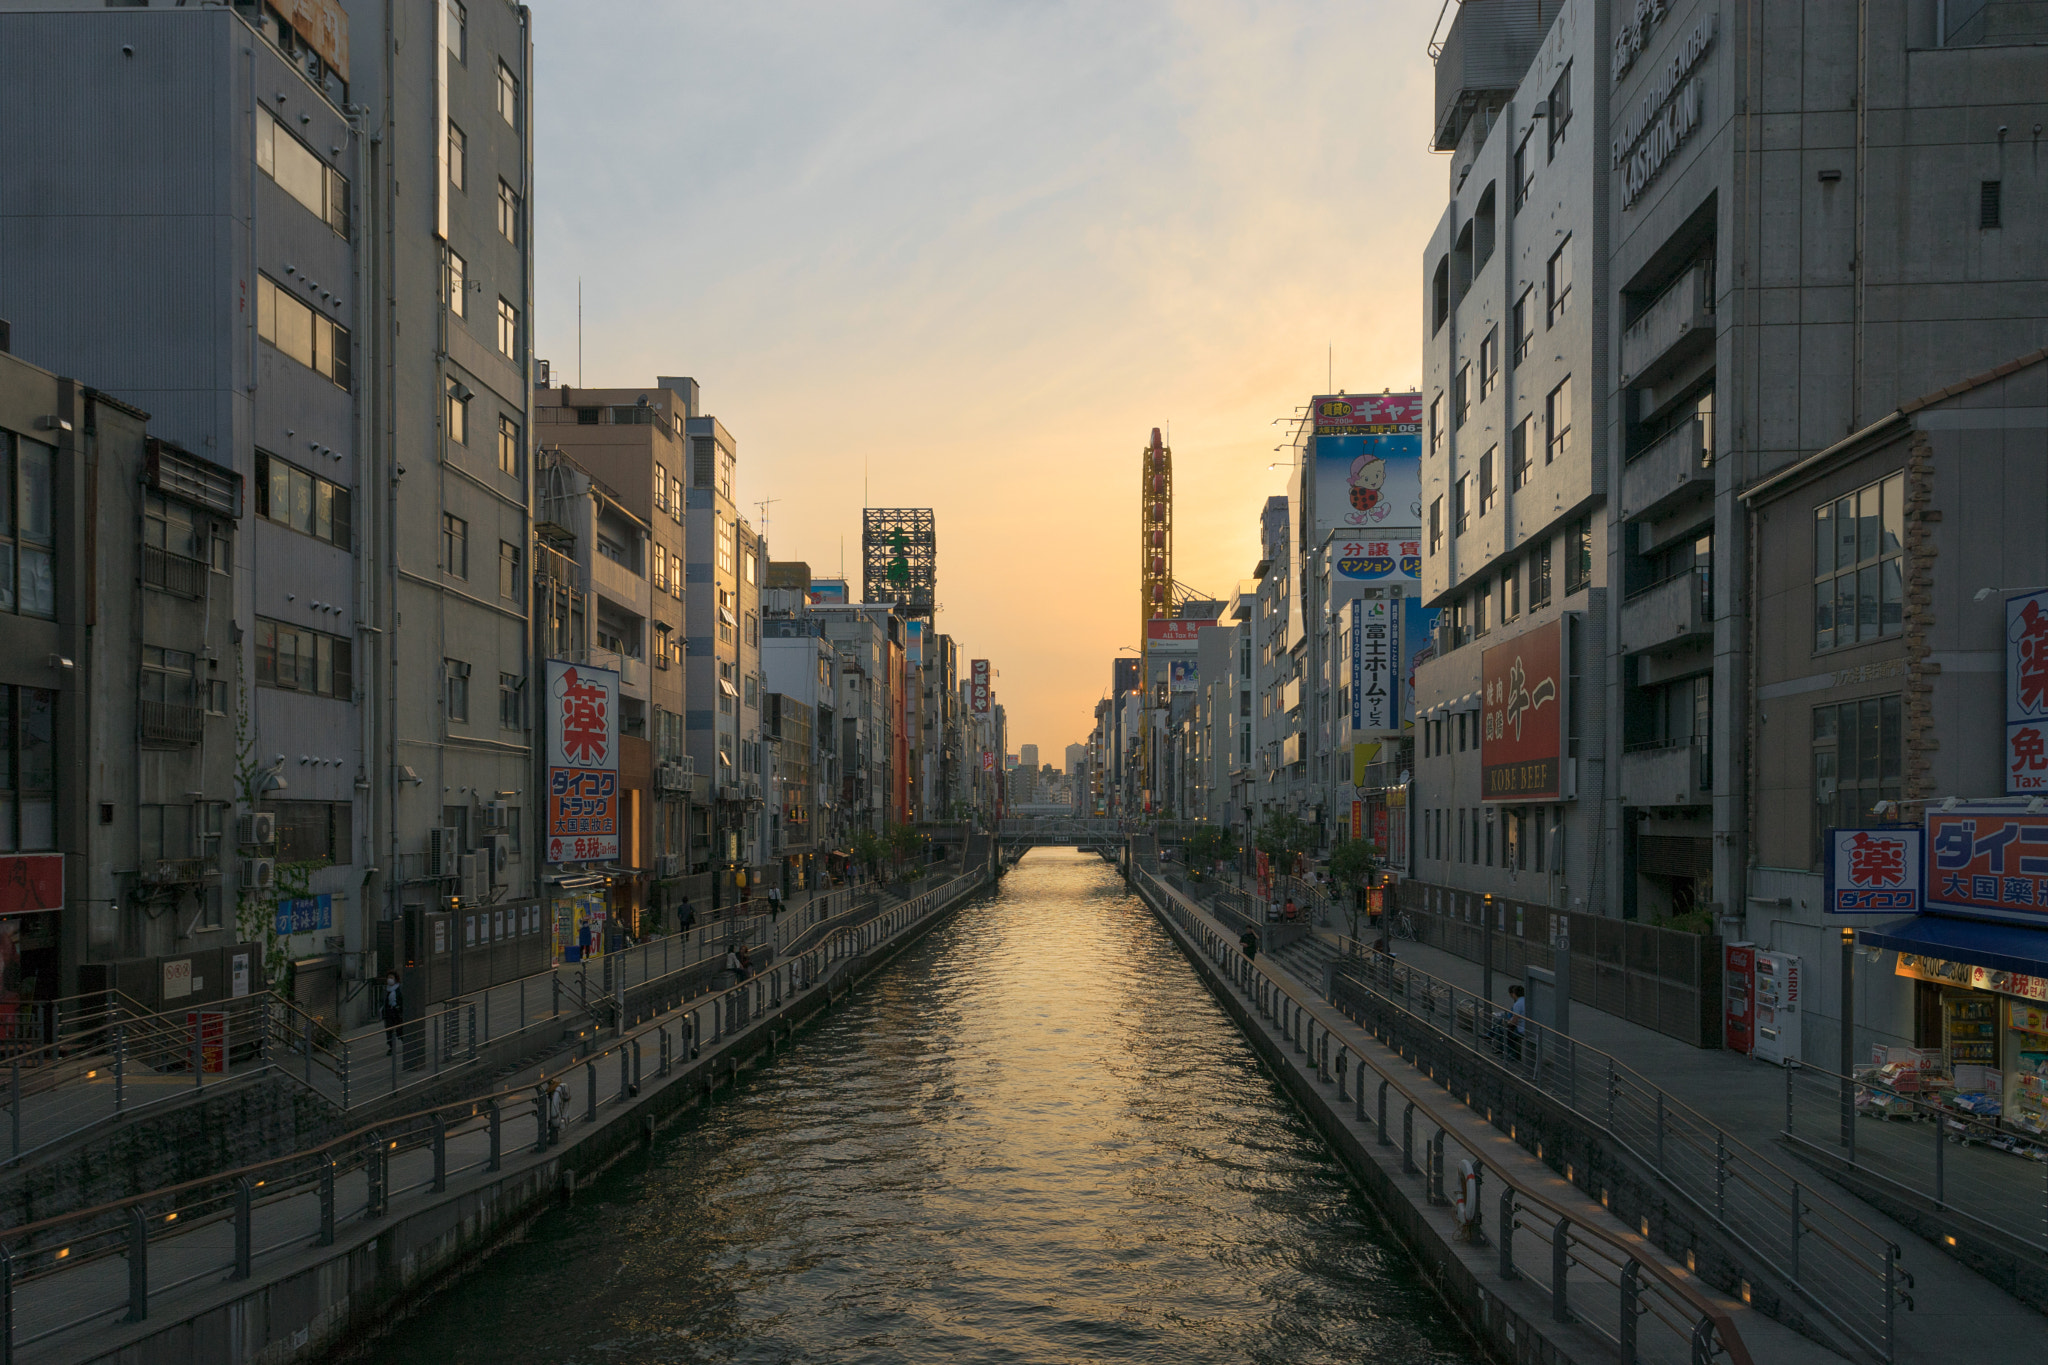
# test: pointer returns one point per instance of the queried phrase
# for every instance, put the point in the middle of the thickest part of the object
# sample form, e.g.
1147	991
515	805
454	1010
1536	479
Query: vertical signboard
978	687
1521	718
1418	642
1367	462
583	763
1375	666
1874	871
2026	694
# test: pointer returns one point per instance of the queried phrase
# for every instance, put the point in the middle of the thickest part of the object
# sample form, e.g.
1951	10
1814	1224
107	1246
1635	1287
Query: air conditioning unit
475	881
496	814
256	829
495	853
668	865
442	849
259	874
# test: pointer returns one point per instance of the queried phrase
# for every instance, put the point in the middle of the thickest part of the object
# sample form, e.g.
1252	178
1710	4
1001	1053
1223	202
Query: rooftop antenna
579	331
764	504
1329	366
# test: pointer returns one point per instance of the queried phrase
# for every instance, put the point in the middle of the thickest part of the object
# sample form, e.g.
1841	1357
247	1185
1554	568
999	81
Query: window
28	768
305	502
1859	565
1461	504
508	330
660	569
752	695
28	582
1578	550
1525	323
1440	294
1436	424
1539	575
458	156
1857	759
457	674
508	213
1557	422
294	659
313	831
511	702
1989	194
167	676
724	534
1560	110
661	645
510	460
458	285
458	411
301	174
458	31
1461	395
508	96
1489	361
294	328
511	582
1489	487
1521	462
1436	524
1482	609
1557	284
455	545
660	489
753	629
1525	173
1510	595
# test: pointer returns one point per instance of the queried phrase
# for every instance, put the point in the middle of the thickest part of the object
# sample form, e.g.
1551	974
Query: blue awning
2001	947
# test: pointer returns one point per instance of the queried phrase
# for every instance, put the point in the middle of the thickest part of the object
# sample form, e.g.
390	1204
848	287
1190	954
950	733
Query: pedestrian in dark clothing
1249	942
686	915
393	1011
746	964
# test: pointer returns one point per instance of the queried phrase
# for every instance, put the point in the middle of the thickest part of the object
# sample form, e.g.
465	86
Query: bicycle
1401	925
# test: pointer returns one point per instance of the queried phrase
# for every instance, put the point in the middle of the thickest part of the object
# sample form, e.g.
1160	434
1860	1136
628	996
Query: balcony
169	722
1677	467
1663	614
174	573
609	578
1663	773
1678	323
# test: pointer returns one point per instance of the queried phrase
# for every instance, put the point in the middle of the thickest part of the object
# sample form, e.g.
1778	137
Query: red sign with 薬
583	763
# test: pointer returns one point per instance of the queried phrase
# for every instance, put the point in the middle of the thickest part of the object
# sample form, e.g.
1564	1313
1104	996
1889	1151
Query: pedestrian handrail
1646	1291
1836	1264
361	1173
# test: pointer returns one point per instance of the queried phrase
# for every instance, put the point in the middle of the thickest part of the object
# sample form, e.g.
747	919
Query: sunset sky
967	255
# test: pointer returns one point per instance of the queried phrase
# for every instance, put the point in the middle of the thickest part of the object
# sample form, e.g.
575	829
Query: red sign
210	1027
1521	718
1339	413
1161	628
30	882
1987	862
583	763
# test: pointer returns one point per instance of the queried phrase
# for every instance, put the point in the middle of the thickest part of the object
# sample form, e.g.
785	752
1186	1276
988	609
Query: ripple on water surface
1033	1138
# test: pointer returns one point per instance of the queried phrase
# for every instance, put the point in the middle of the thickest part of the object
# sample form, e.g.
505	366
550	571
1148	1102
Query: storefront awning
2001	947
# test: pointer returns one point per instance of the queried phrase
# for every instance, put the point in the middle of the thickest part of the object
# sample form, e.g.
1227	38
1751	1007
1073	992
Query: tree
1350	863
867	849
1283	838
1205	845
902	841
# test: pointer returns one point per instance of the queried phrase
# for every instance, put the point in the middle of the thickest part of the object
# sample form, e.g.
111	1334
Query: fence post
198	1053
1560	1261
14	1099
373	1175
245	1217
497	1148
1507	1234
1384	1140
1798	1216
590	1090
138	1266
1436	1166
1408	1139
440	1154
1940	1160
120	1080
327	1202
1631	1289
1660	1132
1720	1175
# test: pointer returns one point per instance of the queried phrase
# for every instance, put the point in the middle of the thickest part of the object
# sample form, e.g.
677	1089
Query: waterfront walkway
1952	1305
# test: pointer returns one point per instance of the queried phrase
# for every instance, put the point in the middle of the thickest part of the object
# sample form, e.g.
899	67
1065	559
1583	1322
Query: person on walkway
732	964
1248	941
1289	910
746	964
1518	1011
686	916
393	1011
774	903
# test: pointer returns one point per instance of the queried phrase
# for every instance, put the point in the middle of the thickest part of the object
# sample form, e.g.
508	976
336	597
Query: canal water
1033	1138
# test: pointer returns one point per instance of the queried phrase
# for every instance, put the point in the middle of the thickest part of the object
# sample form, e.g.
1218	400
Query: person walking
1518	1011
1248	941
393	1011
774	903
733	965
686	916
1288	910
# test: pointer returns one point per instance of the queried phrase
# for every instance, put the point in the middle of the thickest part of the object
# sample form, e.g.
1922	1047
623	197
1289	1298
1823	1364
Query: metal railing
117	1259
1969	1174
1635	1293
1836	1265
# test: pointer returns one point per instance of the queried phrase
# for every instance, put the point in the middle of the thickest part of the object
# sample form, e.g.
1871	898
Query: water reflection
1035	1138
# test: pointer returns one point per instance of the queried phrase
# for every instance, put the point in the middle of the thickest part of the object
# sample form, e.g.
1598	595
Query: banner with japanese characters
1987	863
1874	871
1375	665
1373	561
583	763
2026	694
1521	717
977	687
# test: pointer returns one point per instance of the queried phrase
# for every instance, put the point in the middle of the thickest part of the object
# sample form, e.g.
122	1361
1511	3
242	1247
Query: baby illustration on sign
1368	476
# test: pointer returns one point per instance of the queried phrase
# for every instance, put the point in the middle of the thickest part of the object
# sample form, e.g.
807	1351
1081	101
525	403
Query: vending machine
1777	991
1738	994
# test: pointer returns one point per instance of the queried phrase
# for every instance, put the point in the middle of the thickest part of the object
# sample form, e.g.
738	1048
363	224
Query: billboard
2026	694
978	687
900	558
1164	630
1367	455
1375	666
1987	863
1182	675
1377	559
827	592
1521	718
583	763
1874	871
1418	642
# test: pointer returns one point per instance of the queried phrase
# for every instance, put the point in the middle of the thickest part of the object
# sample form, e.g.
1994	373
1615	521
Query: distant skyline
966	257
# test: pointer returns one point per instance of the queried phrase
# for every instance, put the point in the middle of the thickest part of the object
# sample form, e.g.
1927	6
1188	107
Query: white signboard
1375	665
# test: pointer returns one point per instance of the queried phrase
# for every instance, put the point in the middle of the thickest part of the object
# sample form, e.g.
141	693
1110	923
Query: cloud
969	254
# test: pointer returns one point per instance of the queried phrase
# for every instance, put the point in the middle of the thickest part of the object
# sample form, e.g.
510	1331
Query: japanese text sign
583	763
1367	462
1375	665
1874	871
978	687
1370	561
1521	717
304	914
2026	693
1991	863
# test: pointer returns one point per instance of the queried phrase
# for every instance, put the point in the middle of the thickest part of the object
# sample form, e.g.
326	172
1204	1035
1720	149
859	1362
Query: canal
1033	1138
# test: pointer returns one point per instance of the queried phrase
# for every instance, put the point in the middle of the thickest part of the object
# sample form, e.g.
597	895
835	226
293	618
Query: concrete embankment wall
331	1303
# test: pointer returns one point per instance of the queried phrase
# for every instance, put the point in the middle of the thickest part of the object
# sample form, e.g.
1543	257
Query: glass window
458	285
1489	361
1539	574
508	96
457	674
508	330
1461	395
508	213
511	702
294	659
510	459
458	156
1461	504
292	497
1557	422
28	769
1859	565
1521	461
1525	323
28	583
294	328
1489	488
1578	554
458	412
458	30
1525	176
299	173
455	545
1558	284
1436	424
1436	524
511	582
1858	756
1560	110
